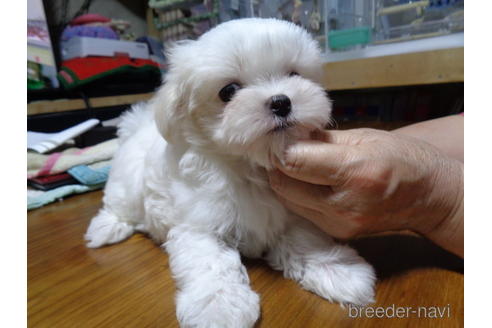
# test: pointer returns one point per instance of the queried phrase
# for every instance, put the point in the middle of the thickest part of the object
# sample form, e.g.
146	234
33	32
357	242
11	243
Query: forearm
448	231
450	235
445	133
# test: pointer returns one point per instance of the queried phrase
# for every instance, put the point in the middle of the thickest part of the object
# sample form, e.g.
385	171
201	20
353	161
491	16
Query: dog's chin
272	145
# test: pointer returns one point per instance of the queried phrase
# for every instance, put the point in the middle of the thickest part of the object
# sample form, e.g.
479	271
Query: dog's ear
169	111
171	103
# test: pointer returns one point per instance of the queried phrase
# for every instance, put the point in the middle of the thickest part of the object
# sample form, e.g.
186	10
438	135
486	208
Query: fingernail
282	160
287	155
276	161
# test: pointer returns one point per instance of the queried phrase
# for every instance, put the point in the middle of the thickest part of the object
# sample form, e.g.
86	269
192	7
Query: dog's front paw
228	306
347	281
105	228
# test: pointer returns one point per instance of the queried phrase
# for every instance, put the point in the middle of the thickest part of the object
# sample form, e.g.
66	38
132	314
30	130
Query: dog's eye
228	91
293	73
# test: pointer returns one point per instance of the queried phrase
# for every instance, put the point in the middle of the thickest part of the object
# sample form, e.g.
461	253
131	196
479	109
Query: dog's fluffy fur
202	192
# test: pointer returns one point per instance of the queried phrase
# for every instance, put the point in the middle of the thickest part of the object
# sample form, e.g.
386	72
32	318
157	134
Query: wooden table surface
130	285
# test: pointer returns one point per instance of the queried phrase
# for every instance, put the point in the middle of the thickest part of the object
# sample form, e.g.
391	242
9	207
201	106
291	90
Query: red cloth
89	18
78	71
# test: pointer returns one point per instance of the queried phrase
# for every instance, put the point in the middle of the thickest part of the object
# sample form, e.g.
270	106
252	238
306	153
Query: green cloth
36	198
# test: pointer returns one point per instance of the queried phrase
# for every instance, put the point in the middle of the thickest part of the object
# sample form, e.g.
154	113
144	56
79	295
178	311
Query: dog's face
247	88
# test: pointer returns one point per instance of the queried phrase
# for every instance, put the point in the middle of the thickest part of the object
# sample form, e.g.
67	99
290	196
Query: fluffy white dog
191	172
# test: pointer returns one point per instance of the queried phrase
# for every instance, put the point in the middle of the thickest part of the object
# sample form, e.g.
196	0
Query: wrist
450	233
444	221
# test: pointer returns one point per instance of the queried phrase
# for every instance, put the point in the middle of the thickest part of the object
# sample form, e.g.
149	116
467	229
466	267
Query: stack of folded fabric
105	55
80	71
64	173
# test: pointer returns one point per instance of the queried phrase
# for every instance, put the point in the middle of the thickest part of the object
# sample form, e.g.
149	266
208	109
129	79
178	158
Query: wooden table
130	285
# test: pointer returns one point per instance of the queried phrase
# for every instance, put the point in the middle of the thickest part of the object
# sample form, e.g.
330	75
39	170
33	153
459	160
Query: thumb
317	162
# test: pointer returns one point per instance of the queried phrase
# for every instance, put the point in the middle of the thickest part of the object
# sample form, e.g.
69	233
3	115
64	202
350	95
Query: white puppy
231	101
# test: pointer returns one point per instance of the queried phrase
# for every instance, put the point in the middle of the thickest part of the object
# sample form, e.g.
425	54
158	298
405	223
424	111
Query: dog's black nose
280	105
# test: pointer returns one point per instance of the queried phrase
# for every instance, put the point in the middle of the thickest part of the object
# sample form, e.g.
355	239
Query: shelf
415	68
412	68
62	105
404	7
387	48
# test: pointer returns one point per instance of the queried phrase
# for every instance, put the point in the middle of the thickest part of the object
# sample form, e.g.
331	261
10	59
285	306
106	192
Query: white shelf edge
455	40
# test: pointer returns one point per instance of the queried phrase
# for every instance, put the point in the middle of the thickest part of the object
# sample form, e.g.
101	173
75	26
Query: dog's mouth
282	126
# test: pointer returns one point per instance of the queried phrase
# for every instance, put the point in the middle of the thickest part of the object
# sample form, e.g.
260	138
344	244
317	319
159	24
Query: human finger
318	162
327	222
300	192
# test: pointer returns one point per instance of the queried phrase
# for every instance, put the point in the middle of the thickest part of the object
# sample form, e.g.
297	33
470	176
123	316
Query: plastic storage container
306	13
188	19
352	24
401	20
349	23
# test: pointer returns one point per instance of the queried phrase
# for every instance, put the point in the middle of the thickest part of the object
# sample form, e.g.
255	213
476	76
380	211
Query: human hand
363	181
